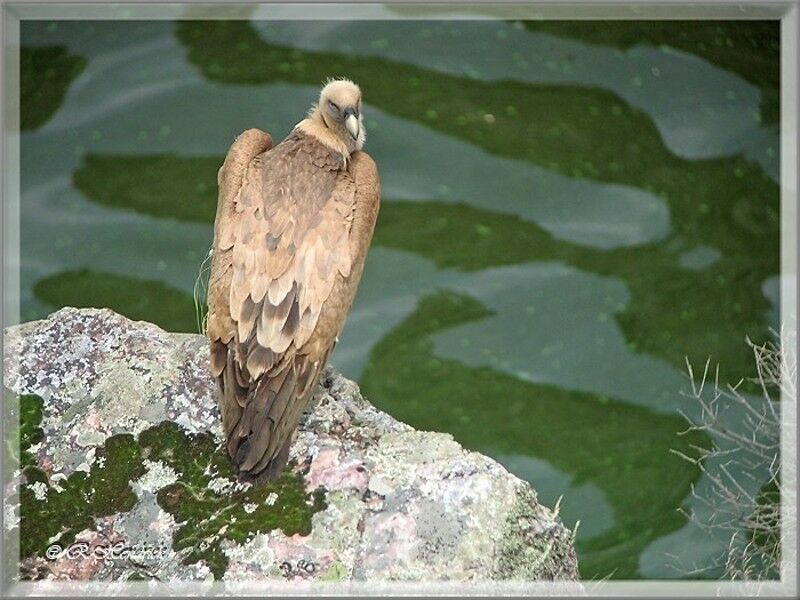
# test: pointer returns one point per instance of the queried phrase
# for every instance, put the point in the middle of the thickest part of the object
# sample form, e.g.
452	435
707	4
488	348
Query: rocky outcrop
122	477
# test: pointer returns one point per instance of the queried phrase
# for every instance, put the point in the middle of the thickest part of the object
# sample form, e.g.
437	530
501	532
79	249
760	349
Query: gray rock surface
399	504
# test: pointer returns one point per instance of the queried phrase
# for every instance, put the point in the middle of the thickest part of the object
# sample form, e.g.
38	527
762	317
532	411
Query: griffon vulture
291	234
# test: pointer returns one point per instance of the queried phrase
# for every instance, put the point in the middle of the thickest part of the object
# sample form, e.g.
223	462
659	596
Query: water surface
565	218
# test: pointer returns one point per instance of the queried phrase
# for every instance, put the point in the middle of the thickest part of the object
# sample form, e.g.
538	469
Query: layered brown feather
291	234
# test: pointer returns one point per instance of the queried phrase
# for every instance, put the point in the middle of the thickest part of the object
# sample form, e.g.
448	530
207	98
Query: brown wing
283	251
309	360
220	327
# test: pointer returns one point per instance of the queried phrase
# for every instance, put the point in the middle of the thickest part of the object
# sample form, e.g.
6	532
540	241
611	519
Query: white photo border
787	12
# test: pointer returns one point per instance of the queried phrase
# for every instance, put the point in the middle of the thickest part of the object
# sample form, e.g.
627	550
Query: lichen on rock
209	517
120	447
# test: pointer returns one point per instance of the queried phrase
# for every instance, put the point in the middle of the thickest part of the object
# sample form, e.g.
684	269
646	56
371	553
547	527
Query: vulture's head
340	107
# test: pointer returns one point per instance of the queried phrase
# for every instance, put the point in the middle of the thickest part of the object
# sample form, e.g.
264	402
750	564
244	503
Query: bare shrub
746	483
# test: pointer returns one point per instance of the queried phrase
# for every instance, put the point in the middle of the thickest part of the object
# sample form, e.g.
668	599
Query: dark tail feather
271	416
259	419
273	469
233	397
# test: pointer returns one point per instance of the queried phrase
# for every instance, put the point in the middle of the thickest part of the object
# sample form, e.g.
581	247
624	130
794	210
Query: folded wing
284	256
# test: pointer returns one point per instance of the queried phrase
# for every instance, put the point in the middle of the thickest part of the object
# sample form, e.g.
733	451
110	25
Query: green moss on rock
25	410
30	416
206	500
50	516
211	507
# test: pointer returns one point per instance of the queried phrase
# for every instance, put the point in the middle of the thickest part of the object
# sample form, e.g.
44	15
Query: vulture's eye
333	107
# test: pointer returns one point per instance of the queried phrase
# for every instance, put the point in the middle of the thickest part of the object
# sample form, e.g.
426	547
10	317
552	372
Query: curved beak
351	122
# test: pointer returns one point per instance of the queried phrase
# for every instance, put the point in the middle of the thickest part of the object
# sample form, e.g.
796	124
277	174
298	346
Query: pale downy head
340	108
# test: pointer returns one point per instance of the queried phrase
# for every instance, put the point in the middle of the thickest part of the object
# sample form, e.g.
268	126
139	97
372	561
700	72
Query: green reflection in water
669	315
751	49
137	299
45	75
576	130
727	203
622	449
161	185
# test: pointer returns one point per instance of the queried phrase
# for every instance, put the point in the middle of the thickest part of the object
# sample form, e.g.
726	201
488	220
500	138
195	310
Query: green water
568	212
